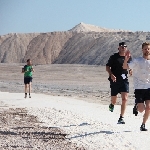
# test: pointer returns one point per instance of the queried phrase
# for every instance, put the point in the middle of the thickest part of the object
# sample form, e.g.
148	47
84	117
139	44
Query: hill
82	27
83	44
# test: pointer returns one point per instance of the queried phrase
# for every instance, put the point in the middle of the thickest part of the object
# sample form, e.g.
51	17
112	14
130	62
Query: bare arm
33	69
23	70
130	72
125	64
110	73
127	57
108	70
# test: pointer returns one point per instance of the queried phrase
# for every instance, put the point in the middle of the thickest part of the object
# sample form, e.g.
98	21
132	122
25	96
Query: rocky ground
22	131
60	123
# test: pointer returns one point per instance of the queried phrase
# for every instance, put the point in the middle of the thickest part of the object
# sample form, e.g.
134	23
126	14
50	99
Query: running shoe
111	107
25	96
142	128
121	121
135	112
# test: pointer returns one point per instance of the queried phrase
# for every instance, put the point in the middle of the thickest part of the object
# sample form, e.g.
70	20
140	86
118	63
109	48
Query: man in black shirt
118	79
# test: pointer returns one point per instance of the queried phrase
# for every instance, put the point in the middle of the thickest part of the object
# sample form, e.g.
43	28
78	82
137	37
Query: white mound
82	27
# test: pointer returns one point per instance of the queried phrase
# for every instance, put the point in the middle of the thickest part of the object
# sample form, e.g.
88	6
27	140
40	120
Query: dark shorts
27	80
142	95
119	86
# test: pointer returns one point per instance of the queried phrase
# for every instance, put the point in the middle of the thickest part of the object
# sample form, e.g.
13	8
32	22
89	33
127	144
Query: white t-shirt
141	72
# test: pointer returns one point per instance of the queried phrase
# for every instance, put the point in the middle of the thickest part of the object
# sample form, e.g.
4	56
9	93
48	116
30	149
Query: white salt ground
87	124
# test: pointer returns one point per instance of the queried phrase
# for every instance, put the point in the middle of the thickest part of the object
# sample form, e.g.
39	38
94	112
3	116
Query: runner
118	79
27	70
141	80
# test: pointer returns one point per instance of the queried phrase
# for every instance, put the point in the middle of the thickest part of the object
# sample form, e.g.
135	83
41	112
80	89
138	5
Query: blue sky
26	16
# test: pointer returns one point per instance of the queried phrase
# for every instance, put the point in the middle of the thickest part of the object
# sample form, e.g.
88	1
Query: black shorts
119	86
27	80
142	95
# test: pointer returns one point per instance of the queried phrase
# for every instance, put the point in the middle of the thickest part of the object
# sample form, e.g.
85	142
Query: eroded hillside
76	46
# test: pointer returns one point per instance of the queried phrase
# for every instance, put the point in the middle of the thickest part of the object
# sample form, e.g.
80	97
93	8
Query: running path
87	124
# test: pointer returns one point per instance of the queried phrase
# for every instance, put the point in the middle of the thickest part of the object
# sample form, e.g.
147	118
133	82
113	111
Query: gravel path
91	126
21	131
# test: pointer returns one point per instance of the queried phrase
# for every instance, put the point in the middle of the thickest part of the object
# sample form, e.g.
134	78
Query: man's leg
26	87
113	102
114	92
124	97
147	111
30	90
141	108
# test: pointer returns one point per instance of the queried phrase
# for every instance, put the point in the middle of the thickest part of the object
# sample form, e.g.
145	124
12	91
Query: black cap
122	44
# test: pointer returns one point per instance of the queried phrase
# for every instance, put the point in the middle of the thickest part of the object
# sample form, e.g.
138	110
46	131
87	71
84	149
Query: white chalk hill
82	27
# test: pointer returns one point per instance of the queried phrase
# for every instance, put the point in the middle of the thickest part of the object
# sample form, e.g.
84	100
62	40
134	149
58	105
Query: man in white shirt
141	79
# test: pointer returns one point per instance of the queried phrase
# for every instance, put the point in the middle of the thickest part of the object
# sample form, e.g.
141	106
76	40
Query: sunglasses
124	46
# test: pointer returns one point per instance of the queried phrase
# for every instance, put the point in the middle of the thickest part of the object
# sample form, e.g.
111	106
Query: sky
29	16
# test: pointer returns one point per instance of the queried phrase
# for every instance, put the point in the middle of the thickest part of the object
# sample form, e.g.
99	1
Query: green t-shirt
28	71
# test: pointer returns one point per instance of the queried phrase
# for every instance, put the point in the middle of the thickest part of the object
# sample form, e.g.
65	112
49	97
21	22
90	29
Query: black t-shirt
116	62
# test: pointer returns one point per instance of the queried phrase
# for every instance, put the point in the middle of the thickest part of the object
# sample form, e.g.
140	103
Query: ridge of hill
83	44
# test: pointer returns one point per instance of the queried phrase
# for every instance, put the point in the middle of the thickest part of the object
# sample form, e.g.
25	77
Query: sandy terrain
86	82
52	122
20	130
72	113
